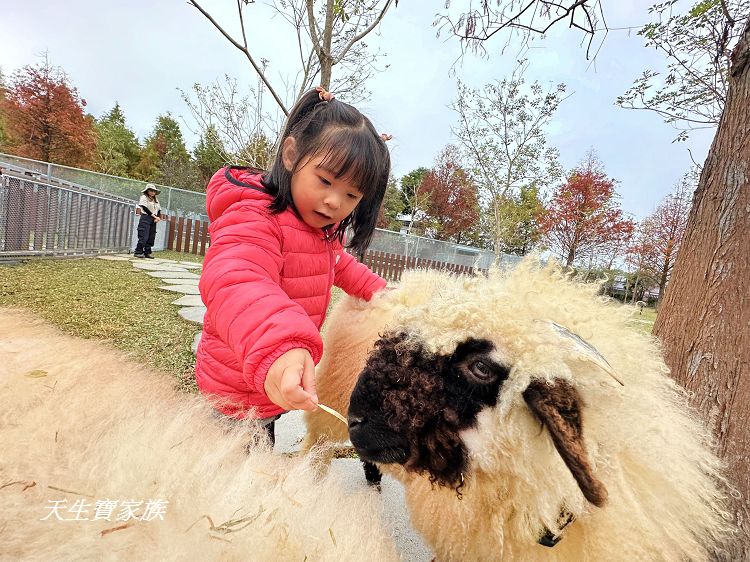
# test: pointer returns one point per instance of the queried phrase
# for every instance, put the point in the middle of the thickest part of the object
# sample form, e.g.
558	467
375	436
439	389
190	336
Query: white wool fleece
81	422
649	449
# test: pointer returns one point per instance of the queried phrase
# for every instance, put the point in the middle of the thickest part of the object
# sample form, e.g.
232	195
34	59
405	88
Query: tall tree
452	206
703	318
639	256
243	132
392	207
660	234
4	139
328	33
117	148
415	200
519	215
502	131
45	117
209	154
584	213
164	158
697	45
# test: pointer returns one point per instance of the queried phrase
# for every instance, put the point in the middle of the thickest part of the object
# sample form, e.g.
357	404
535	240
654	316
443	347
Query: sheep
80	422
525	419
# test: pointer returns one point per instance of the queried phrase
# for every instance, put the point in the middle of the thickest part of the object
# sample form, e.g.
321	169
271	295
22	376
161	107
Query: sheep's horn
583	348
558	406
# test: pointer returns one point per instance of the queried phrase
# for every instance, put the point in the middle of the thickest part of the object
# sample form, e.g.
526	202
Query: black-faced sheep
84	430
521	412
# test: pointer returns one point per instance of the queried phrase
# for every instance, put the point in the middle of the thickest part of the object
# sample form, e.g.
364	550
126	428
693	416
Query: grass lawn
644	321
107	300
112	301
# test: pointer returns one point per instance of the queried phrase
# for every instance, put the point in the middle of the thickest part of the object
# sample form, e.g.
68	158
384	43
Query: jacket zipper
331	265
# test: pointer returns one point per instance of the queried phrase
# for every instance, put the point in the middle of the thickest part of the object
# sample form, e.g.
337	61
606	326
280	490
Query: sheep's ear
558	407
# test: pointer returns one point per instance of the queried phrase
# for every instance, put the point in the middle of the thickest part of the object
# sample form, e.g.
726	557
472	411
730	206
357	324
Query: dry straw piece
333	413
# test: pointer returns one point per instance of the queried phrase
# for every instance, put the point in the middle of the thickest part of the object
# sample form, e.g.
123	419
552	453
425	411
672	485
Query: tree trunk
571	257
704	321
326	70
663	278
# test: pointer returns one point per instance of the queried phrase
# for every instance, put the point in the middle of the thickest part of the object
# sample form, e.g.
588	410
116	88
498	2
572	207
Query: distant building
618	289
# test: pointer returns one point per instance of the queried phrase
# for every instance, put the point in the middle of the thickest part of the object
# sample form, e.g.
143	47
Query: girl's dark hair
349	146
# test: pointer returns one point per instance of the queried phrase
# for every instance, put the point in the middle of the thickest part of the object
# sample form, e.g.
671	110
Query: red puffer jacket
266	284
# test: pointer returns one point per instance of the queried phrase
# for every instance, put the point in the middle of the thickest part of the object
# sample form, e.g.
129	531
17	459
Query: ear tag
584	348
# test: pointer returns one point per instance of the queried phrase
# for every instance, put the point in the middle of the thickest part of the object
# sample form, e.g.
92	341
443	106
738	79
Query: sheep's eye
482	371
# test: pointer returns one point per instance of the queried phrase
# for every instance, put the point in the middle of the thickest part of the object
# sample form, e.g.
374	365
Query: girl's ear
289	153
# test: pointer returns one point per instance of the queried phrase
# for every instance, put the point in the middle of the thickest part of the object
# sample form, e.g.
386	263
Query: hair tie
385	137
324	94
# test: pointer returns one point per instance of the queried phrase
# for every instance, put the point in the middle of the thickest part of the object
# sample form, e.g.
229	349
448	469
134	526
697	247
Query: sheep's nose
354	421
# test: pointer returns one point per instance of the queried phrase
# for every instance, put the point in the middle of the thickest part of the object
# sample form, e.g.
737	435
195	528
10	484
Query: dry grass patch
107	300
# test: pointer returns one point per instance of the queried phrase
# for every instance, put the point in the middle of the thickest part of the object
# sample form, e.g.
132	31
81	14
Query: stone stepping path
178	277
189	300
173	274
181	281
183	288
182	277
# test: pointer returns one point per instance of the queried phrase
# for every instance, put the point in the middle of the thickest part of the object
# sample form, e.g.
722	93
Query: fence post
204	237
196	234
180	226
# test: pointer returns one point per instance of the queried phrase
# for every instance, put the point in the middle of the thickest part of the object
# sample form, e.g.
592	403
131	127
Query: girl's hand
290	382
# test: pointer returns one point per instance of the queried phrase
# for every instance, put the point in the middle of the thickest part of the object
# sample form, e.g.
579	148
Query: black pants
146	235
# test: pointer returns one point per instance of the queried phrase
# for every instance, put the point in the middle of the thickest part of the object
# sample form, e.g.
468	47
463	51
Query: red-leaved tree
583	216
452	206
660	234
45	118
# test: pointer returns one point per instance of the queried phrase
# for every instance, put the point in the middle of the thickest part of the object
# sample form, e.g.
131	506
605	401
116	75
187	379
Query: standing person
150	212
276	250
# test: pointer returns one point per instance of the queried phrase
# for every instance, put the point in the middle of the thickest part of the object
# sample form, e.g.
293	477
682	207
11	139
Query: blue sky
140	52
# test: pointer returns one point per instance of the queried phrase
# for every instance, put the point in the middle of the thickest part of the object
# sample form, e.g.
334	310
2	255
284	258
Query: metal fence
38	218
179	202
436	250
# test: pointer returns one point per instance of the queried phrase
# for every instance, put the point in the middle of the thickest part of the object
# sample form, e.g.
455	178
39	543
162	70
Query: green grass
111	301
107	300
644	320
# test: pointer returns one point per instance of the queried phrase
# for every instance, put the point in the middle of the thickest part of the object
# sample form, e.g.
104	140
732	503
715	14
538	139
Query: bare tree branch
313	25
244	50
361	35
477	25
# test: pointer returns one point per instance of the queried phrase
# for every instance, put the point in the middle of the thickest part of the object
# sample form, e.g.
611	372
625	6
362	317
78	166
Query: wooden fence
191	236
391	266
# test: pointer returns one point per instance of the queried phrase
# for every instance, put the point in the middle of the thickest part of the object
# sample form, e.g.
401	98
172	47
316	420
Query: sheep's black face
409	405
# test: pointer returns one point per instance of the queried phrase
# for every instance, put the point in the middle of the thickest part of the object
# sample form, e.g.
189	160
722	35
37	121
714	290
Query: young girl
150	211
276	250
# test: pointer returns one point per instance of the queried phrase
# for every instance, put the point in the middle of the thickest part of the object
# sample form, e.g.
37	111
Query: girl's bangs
352	155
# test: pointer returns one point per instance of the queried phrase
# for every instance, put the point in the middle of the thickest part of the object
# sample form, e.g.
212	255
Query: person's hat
151	186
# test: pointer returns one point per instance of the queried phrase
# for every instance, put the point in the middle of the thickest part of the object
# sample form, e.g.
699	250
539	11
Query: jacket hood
232	184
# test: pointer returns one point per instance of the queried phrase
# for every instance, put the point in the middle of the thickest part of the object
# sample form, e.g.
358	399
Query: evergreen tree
209	154
164	158
117	148
393	205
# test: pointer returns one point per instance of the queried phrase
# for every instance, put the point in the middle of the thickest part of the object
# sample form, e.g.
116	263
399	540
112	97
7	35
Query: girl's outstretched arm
355	278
